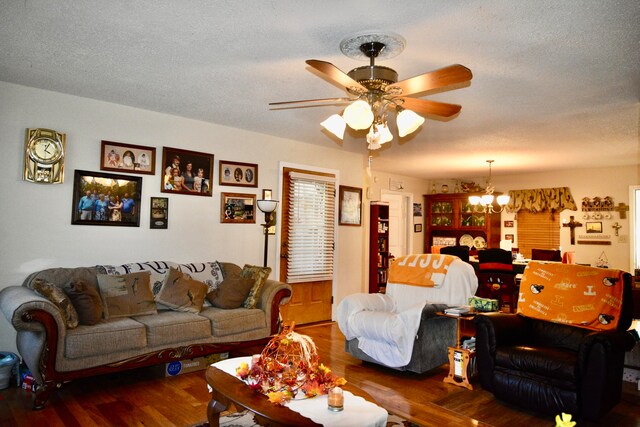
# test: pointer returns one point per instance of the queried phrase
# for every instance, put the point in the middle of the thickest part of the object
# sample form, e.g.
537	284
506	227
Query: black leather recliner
553	368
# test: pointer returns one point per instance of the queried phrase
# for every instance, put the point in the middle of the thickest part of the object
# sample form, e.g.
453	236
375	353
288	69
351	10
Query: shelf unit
452	216
378	246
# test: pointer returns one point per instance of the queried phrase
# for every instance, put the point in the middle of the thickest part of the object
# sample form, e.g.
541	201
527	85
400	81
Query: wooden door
310	301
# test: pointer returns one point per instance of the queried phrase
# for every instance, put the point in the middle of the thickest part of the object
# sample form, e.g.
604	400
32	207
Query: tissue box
483	304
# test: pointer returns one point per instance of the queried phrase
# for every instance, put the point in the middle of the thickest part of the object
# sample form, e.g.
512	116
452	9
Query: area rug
245	419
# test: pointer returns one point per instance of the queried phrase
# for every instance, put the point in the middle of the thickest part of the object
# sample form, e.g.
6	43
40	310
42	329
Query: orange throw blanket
420	270
581	296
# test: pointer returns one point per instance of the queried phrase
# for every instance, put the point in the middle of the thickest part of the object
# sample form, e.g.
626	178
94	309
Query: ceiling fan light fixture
358	115
408	122
336	125
384	132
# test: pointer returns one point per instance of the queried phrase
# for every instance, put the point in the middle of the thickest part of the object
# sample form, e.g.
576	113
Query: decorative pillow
229	269
60	299
259	275
126	295
182	293
86	300
209	273
158	270
231	293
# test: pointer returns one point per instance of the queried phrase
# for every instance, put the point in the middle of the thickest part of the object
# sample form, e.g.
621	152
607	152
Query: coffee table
227	389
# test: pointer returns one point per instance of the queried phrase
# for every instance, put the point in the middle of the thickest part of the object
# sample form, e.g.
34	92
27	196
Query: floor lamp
268	207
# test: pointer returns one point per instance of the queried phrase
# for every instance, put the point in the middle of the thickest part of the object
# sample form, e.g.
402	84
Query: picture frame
417	209
159	213
186	172
238	174
267	194
417	228
129	158
508	223
594	227
106	199
510	237
350	206
237	208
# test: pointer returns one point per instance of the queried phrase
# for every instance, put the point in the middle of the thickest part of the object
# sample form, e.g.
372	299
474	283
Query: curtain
540	199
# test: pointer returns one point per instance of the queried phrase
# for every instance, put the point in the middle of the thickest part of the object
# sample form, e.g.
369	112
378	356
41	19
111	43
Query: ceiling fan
375	90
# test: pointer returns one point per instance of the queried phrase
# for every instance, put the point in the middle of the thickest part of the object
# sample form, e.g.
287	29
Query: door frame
408	221
336	173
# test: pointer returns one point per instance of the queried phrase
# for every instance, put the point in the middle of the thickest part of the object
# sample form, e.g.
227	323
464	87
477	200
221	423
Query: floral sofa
85	321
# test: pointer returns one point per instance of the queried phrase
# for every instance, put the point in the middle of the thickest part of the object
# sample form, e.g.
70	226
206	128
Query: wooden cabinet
452	216
378	247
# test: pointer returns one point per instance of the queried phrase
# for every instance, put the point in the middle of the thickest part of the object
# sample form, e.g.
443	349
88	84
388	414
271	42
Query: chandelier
484	203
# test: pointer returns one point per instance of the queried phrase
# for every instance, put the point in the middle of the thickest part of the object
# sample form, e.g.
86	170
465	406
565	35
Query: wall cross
572	224
622	210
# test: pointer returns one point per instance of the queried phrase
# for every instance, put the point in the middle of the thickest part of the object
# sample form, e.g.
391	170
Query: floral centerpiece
288	367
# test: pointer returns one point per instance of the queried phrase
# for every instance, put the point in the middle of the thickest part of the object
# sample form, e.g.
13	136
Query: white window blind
311	219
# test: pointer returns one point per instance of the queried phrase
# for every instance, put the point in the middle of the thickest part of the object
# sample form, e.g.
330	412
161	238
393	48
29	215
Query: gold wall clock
44	156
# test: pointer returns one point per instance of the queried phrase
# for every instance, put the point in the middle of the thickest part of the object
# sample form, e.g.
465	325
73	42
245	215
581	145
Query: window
539	230
310	222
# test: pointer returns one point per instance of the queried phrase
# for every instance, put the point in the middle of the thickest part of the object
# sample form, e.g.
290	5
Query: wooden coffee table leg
215	407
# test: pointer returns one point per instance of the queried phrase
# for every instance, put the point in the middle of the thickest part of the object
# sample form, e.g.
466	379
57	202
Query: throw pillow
229	269
86	300
209	273
126	295
231	293
182	293
60	299
259	275
158	270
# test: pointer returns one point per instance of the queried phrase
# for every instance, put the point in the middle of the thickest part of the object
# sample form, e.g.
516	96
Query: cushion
126	294
171	328
230	269
231	293
209	273
60	299
86	300
99	339
259	275
158	270
181	293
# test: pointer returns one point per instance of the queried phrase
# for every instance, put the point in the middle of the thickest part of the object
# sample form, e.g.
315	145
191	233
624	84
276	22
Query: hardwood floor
144	397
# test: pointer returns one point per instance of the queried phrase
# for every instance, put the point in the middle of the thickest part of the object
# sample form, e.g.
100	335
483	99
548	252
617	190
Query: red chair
546	255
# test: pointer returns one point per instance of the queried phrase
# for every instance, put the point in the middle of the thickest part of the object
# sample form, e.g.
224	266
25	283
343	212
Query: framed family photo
119	157
350	206
238	208
159	216
238	174
186	172
106	199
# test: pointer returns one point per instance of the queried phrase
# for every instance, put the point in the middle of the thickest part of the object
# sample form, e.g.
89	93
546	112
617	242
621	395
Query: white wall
36	219
601	182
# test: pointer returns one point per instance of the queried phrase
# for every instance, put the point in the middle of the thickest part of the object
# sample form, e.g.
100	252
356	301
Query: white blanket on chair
386	324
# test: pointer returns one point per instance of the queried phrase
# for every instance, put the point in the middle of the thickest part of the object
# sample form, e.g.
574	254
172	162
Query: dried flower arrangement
288	365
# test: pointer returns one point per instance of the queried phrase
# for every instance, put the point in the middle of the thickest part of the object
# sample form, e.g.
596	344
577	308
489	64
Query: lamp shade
487	199
336	125
408	122
358	115
474	200
384	132
503	199
267	206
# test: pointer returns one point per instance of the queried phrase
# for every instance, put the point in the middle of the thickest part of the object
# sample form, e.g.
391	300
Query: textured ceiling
556	83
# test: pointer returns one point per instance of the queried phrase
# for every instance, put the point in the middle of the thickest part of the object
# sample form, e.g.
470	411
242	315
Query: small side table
462	362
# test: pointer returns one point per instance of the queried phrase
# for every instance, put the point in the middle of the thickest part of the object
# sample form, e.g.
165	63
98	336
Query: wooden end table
463	358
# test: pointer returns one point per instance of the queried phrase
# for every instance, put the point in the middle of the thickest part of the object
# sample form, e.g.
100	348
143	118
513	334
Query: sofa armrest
17	301
274	294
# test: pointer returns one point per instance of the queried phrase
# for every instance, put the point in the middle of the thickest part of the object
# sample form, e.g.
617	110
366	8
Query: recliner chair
553	367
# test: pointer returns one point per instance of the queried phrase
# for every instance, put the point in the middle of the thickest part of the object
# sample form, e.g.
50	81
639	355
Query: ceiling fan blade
441	78
424	106
310	101
335	74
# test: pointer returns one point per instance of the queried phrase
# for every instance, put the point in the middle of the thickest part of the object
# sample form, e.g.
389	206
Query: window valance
539	199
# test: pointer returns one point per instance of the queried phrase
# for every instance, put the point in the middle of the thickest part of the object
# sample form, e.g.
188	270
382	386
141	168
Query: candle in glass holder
336	399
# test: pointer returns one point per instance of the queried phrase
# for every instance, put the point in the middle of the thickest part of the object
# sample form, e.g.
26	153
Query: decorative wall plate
466	240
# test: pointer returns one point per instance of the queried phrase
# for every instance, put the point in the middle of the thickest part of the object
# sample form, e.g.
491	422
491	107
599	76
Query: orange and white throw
420	270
